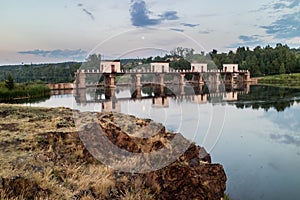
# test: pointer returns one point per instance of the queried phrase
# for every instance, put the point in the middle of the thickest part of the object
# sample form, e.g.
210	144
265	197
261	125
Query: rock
191	176
61	155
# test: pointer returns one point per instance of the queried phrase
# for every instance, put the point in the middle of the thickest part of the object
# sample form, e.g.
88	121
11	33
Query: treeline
47	73
261	61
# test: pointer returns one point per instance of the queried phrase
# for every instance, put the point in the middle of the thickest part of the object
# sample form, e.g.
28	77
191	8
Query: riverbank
292	80
42	156
23	91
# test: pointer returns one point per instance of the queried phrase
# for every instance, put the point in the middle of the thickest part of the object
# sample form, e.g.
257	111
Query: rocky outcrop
52	159
190	176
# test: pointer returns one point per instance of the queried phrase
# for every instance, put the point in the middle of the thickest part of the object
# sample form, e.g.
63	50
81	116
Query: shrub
24	91
9	83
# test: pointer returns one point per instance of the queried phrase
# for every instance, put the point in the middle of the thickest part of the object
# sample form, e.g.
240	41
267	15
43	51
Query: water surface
254	132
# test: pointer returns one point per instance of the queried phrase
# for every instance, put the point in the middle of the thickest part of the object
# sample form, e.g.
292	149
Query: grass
41	145
283	79
25	152
23	91
43	157
226	197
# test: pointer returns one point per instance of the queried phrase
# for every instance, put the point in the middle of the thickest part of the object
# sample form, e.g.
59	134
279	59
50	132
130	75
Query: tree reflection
267	97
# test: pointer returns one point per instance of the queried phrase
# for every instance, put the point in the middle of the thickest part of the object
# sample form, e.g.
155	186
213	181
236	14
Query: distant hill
49	73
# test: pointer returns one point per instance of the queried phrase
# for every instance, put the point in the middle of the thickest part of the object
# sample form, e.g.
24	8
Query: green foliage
47	73
226	197
262	61
182	52
92	62
283	79
180	64
9	82
24	91
282	69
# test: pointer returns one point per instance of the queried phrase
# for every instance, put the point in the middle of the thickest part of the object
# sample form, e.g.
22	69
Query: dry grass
25	153
98	177
43	147
137	194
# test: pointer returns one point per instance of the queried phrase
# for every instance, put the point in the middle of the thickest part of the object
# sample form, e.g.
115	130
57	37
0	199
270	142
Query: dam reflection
110	99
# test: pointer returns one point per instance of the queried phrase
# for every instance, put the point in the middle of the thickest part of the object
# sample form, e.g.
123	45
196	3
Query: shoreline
43	156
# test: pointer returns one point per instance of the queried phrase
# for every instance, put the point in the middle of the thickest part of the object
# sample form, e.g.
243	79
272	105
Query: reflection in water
61	92
243	96
286	139
160	96
289	125
267	97
260	141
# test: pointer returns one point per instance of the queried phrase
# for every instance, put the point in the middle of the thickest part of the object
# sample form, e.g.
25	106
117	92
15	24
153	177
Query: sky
33	31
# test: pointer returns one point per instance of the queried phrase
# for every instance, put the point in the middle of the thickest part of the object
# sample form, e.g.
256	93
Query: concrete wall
230	96
230	67
200	99
160	102
61	86
198	67
110	106
160	67
108	66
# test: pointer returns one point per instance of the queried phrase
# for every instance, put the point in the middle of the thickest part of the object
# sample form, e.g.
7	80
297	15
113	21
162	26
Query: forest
47	73
260	61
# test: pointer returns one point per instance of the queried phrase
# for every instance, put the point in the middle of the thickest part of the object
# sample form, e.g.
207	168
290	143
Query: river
253	131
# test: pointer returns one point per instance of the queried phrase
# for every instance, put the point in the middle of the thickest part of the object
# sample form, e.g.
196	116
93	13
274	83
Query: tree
158	58
9	82
178	51
92	62
180	64
182	52
282	69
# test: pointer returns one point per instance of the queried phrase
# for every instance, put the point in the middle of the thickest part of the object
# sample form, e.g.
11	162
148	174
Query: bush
9	83
24	91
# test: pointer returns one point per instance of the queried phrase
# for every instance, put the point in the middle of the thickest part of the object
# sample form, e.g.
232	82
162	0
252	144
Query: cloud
245	38
286	126
286	139
177	29
288	26
88	13
140	15
189	25
253	40
293	3
279	5
288	122
169	15
77	54
205	32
